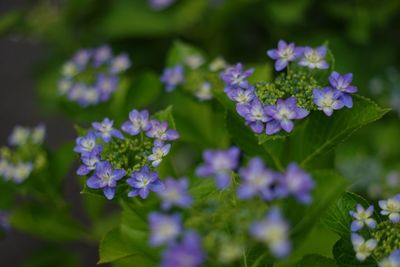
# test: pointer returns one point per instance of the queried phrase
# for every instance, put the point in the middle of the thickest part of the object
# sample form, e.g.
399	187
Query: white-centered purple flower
391	208
194	61
236	76
160	150
187	253
256	180
297	183
362	248
120	63
160	131
102	55
164	228
283	114
89	161
220	164
82	57
240	95
106	131
204	92
284	54
273	231
19	136
160	4
172	77
144	181
105	178
255	115
86	144
106	85
328	100
314	58
392	261
342	83
362	218
175	194
138	122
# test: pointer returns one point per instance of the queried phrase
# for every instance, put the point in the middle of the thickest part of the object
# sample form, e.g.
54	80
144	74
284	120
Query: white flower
362	248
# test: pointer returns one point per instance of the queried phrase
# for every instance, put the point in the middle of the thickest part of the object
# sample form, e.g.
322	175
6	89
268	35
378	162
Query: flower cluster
384	236
274	106
92	75
27	155
193	75
108	155
256	180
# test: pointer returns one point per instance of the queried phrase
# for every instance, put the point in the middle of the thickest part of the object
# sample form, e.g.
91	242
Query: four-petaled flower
362	248
342	84
175	194
273	230
254	114
105	178
314	58
297	183
328	100
284	54
391	207
106	131
187	253
236	76
89	161
160	131
219	163
105	85
86	144
120	63
138	121
282	115
362	217
392	261
172	77
143	182
240	95
256	180
164	228
160	150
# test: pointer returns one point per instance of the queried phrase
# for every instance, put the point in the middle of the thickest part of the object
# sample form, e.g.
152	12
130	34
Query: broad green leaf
135	260
338	218
113	247
344	255
315	260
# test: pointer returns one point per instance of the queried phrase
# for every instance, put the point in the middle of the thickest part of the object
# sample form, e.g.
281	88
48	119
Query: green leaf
113	247
166	115
315	260
338	218
135	260
180	51
61	161
143	92
344	255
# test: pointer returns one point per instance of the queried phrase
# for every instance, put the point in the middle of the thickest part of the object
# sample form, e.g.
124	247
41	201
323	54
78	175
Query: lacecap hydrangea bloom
109	157
164	228
175	193
391	208
362	218
92	75
284	54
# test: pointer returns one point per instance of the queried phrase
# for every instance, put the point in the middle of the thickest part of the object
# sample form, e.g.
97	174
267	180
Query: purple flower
86	144
328	100
106	131
342	84
120	63
175	194
362	248
236	76
187	253
284	54
362	217
143	182
172	77
240	95
282	115
256	180
254	114
105	178
297	183
89	161
102	55
391	207
106	85
160	131
160	150
138	121
82	57
314	58
219	163
392	261
164	228
273	230
160	4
